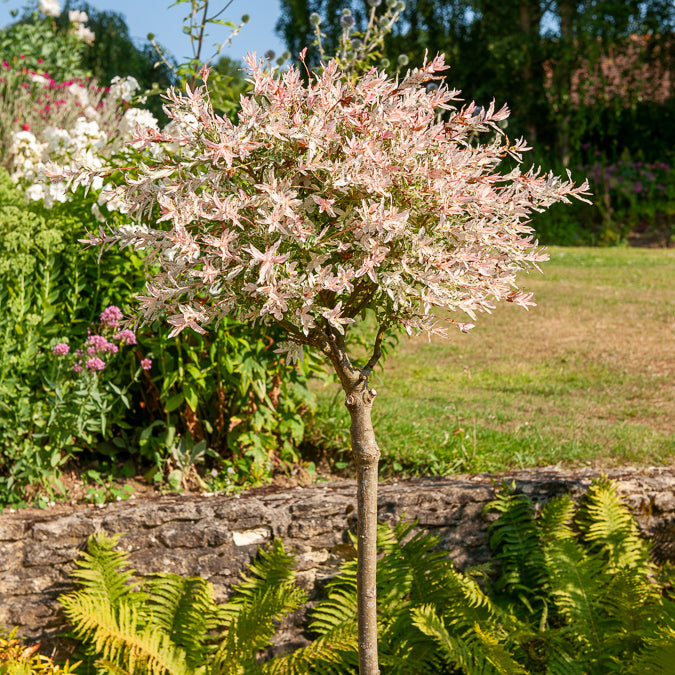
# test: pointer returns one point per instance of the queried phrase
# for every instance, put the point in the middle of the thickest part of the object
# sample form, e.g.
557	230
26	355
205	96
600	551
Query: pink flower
126	336
97	343
77	367
95	364
61	349
146	364
111	316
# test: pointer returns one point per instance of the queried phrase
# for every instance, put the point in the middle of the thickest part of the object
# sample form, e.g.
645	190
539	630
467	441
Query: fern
514	537
183	609
172	626
606	524
116	635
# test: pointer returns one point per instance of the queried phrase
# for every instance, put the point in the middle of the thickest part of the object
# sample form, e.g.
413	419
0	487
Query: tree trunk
359	402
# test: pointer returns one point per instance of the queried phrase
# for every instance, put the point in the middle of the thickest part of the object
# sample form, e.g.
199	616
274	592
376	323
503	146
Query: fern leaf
514	537
118	638
457	651
185	610
101	570
556	518
576	582
260	601
607	524
335	652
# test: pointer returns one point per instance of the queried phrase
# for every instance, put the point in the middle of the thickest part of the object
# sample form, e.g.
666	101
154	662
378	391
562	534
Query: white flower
55	192
79	93
76	16
35	192
133	117
123	88
38	79
50	7
85	34
57	139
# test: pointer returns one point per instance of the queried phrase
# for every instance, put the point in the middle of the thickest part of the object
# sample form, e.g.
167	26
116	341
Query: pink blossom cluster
111	316
334	196
98	343
92	354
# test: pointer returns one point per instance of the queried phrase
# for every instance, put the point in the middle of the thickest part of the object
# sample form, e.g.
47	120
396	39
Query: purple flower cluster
61	349
625	180
126	337
92	354
94	364
111	316
97	343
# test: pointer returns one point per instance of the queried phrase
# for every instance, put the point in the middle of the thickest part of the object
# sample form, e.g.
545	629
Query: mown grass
585	378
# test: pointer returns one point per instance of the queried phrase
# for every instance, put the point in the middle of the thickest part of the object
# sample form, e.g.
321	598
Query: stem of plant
359	402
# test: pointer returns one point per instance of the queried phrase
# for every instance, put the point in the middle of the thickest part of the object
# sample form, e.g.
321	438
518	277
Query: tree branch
377	351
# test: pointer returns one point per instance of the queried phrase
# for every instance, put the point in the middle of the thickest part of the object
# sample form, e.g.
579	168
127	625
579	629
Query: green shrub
229	389
629	197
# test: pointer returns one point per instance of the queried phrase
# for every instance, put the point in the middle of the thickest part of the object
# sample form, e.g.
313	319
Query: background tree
538	55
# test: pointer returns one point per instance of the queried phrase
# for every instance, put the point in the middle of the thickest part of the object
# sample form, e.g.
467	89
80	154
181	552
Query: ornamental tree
329	198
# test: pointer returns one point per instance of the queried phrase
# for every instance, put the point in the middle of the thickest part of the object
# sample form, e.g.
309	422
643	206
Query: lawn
586	378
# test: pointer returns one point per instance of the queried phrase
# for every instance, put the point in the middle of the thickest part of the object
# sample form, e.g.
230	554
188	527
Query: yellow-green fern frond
116	635
184	609
335	652
468	652
102	571
607	523
576	582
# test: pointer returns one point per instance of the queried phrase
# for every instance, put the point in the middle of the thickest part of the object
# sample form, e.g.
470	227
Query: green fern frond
515	541
272	566
259	603
555	520
118	637
457	651
101	570
577	582
334	653
658	655
607	523
496	653
252	627
184	609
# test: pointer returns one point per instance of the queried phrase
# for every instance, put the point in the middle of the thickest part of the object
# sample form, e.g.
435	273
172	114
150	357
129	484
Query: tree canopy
533	54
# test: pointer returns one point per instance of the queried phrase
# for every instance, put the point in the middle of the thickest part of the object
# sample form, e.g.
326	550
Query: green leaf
174	402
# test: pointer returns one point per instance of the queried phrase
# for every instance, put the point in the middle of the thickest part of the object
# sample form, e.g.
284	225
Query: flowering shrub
632	200
65	124
86	403
331	198
40	44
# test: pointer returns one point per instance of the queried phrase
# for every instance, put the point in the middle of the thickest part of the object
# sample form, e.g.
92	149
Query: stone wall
215	537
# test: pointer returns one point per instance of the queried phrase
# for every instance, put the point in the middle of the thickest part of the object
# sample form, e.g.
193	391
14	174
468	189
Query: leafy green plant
229	389
39	44
16	658
168	624
575	593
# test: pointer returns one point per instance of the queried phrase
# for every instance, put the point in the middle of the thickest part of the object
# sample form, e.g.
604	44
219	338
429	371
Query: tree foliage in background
504	50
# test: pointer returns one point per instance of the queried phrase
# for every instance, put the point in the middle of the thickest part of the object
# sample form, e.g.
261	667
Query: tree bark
359	402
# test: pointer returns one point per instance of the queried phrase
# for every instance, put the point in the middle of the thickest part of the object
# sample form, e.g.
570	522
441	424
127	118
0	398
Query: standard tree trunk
359	402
